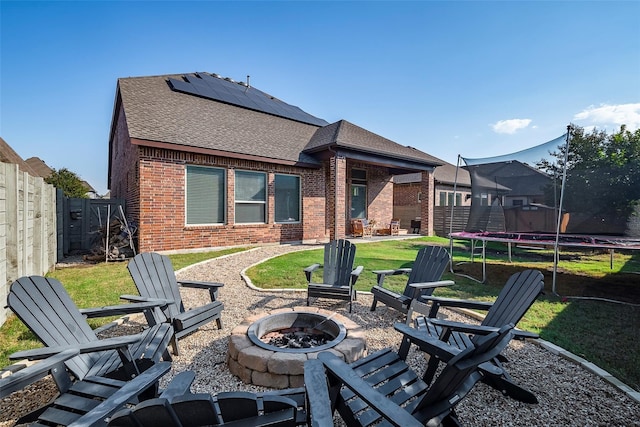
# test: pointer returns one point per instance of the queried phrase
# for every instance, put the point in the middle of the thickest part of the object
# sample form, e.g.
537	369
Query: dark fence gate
82	223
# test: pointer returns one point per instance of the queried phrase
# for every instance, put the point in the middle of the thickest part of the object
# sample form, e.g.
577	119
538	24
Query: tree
603	175
68	182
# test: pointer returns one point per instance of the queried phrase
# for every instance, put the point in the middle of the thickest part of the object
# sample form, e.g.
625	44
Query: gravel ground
568	394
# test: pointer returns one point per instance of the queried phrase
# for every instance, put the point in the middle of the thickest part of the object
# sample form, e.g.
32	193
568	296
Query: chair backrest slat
429	265
46	308
154	277
515	298
339	256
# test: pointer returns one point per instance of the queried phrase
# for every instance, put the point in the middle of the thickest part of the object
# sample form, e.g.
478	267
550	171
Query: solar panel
239	94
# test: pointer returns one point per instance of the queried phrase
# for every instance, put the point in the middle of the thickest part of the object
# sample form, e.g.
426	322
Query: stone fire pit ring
283	368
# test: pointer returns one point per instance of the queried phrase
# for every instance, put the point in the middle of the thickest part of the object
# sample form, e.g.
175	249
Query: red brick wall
124	169
161	204
427	190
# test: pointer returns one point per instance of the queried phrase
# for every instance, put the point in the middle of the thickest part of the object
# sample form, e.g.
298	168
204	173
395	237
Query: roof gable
344	134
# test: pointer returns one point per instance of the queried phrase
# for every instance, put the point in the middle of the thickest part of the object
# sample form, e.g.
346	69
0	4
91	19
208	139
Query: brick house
203	161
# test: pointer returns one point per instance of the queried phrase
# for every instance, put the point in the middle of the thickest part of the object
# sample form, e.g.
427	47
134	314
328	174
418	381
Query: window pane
358	201
287	198
205	195
250	212
250	186
443	198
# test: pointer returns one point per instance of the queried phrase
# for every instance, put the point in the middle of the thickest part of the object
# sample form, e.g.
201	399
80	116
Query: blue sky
473	78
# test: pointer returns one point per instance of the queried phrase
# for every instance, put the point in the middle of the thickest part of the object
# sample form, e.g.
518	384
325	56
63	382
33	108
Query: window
458	199
287	198
358	193
443	198
251	197
358	201
205	202
449	199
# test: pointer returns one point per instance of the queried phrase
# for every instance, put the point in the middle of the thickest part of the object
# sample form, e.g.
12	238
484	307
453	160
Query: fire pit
270	349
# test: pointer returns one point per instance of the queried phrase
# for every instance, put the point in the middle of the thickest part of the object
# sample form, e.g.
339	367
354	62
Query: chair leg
373	305
219	323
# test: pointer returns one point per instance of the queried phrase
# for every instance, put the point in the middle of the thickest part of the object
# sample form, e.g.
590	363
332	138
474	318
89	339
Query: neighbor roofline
219	153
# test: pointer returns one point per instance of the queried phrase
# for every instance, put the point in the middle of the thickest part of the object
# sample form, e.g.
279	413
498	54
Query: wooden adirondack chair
382	389
80	403
177	407
155	279
516	297
424	277
46	308
338	276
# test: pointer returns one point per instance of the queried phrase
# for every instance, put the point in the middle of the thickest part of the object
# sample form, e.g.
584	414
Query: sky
468	78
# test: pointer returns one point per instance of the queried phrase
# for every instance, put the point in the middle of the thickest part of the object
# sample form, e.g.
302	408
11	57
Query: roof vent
217	76
229	79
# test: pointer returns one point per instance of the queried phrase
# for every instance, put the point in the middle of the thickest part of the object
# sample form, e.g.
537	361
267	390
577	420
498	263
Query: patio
568	394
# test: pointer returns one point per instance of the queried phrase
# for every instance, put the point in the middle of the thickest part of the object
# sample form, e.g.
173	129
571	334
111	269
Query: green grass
601	332
89	286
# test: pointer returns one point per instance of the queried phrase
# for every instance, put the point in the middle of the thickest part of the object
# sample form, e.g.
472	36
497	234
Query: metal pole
564	180
455	186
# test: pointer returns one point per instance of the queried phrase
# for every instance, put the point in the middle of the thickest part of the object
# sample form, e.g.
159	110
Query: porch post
427	186
336	197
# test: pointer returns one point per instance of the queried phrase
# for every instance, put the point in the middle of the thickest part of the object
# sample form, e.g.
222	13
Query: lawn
585	325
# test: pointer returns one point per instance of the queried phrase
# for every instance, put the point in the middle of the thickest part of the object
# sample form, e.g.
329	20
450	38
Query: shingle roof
154	112
39	166
8	155
344	134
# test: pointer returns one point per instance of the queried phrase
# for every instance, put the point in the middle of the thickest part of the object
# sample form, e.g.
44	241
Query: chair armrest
355	274
430	345
199	285
466	328
320	412
381	274
179	385
212	287
309	270
125	394
382	404
89	347
452	302
137	298
118	310
30	374
427	285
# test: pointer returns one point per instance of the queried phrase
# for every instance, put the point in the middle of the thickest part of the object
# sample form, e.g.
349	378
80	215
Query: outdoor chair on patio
424	277
381	389
361	228
46	308
338	274
155	279
515	298
178	407
80	403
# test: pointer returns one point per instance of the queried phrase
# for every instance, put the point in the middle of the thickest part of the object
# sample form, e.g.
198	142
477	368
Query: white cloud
611	115
510	126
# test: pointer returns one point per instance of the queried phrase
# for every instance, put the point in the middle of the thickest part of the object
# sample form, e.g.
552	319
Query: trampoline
567	192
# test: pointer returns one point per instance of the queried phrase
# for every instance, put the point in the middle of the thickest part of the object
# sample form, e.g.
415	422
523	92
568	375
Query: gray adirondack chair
46	308
338	274
515	298
178	407
155	279
381	389
80	403
424	277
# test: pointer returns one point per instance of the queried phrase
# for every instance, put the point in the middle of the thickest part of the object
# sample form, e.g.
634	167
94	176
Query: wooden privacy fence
27	228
